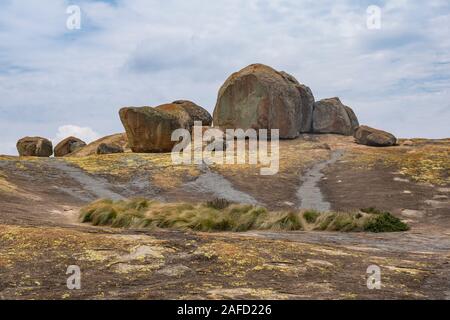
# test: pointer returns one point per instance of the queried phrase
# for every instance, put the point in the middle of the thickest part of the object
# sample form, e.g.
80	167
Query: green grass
140	213
385	222
219	215
311	216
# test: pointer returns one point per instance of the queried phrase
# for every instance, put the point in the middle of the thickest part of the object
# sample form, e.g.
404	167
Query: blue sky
56	82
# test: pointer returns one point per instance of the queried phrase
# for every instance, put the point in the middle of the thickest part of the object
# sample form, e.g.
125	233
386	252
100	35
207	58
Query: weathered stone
34	147
187	113
307	110
149	129
68	145
373	137
119	139
331	116
259	97
196	112
109	148
353	118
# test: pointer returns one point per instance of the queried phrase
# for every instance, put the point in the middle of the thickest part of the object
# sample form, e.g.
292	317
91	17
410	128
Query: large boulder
109	148
331	116
259	97
148	129
34	147
373	137
68	145
187	113
307	107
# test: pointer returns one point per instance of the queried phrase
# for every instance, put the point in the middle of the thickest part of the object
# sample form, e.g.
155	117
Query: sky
56	81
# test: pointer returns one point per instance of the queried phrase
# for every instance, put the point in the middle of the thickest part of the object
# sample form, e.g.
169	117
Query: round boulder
34	147
259	97
331	116
373	137
68	145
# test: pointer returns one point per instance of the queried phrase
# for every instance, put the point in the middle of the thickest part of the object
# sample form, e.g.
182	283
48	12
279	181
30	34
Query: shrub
385	222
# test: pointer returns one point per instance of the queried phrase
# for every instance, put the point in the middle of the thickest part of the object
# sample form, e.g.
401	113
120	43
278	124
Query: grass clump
140	213
385	222
116	214
218	203
219	216
311	216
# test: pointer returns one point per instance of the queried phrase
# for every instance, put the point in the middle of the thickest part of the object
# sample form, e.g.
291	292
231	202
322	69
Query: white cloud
84	133
148	52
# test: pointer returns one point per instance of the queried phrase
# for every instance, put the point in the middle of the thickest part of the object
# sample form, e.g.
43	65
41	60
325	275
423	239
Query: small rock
106	148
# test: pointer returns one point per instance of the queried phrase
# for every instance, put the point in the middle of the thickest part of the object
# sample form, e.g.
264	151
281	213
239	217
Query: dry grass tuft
142	213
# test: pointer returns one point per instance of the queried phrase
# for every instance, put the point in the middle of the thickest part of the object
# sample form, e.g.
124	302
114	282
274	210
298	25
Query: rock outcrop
259	97
373	137
331	116
67	146
150	129
109	148
34	147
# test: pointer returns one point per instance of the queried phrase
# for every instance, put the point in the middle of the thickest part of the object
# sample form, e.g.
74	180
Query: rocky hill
302	233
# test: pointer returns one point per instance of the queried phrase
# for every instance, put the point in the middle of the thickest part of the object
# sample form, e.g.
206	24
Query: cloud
84	133
148	52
